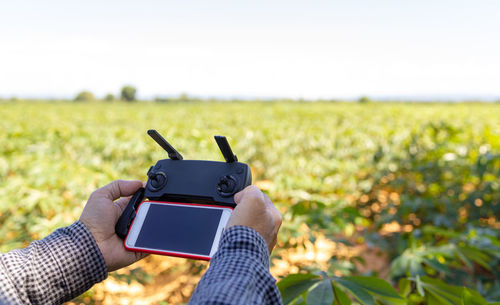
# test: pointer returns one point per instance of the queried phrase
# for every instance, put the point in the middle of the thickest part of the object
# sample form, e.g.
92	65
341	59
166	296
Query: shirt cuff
78	258
243	240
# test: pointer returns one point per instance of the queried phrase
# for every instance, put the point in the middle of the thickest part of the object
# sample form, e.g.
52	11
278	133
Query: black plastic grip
123	224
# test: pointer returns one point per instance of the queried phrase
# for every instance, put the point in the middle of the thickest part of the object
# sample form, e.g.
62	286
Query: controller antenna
172	153
225	149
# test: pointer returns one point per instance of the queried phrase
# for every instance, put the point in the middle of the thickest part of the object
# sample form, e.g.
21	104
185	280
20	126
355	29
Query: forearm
238	272
52	270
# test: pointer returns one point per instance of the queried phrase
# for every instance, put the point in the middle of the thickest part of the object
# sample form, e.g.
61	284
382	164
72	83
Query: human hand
255	210
100	216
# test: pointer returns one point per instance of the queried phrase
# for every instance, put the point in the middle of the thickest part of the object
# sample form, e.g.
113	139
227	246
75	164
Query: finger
268	201
117	189
276	215
252	193
238	196
122	202
270	205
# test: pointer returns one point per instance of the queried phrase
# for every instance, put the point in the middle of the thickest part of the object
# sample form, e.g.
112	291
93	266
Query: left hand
100	216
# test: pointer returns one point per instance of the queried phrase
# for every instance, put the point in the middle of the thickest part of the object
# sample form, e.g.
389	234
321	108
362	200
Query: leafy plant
307	288
417	182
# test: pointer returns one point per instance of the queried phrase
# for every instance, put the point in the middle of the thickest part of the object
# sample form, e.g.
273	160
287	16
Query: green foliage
84	96
307	288
160	99
109	97
128	93
448	180
364	100
325	290
294	285
182	98
343	170
136	274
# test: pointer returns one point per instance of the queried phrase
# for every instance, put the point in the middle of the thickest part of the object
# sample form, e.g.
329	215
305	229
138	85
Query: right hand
255	210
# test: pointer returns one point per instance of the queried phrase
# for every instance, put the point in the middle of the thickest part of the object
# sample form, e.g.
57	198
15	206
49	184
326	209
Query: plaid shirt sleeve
52	270
238	272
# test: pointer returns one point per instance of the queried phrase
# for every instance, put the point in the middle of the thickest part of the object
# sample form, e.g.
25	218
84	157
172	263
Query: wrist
243	239
76	253
99	246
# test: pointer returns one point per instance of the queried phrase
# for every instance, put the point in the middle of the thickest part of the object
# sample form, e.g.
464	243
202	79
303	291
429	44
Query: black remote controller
192	181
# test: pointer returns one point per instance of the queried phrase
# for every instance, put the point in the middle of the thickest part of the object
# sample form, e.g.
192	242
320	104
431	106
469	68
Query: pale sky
297	49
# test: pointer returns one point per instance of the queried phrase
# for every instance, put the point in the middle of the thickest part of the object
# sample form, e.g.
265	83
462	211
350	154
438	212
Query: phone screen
178	228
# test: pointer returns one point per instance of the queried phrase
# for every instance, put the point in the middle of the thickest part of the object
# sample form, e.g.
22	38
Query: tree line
127	93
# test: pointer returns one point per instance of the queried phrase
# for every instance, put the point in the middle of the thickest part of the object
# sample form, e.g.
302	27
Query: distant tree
109	97
184	97
160	99
84	96
128	93
364	100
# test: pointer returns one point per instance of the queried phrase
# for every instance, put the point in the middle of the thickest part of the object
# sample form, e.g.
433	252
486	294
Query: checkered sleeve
52	270
238	272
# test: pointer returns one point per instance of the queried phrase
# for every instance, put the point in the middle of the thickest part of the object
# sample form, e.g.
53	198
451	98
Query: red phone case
200	257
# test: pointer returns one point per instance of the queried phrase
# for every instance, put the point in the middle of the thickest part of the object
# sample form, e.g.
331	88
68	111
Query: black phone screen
179	228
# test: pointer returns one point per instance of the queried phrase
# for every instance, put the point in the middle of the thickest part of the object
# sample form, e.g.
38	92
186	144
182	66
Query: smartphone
177	229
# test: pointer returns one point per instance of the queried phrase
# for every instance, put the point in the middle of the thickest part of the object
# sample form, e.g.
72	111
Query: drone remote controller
189	181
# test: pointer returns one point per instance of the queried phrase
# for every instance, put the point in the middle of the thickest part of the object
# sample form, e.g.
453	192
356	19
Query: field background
354	181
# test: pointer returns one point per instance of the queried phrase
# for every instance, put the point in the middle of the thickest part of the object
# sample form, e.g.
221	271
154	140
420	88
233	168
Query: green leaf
321	294
340	296
467	298
300	300
416	266
447	293
295	284
436	265
464	259
357	291
420	289
477	256
400	265
404	287
431	230
375	286
435	299
470	297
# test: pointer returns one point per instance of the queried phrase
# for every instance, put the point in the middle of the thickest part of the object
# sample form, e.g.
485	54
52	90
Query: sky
256	49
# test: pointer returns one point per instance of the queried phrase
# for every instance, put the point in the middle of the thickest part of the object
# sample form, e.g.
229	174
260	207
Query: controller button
158	180
226	186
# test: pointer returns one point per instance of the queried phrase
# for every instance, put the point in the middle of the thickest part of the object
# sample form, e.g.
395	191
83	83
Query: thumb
117	189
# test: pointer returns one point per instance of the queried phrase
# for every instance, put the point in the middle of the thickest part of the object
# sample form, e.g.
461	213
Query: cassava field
382	203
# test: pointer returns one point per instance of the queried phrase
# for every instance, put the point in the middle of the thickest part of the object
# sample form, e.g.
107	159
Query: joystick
190	181
226	186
